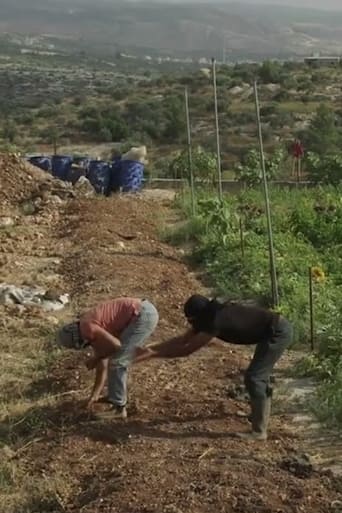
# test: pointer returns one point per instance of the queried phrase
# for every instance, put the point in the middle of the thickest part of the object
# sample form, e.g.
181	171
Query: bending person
115	330
237	324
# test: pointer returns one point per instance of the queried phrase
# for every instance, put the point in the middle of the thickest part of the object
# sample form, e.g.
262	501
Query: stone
6	221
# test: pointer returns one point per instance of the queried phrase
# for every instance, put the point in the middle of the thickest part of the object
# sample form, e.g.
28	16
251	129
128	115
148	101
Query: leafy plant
204	165
326	169
249	171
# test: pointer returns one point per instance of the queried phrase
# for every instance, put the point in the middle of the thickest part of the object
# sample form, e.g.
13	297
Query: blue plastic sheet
99	175
130	176
41	161
61	166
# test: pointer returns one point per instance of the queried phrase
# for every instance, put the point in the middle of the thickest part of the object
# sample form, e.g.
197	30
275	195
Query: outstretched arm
177	347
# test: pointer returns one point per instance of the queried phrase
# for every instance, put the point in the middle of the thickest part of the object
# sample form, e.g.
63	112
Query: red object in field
297	149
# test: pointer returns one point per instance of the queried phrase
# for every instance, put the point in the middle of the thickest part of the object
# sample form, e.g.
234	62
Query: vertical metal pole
242	240
273	273
219	174
293	175
55	144
312	335
191	171
224	49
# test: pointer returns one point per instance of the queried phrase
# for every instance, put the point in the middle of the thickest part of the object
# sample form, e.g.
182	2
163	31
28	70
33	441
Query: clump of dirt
18	179
26	186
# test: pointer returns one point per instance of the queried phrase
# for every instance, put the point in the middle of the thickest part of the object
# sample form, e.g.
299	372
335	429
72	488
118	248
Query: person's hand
89	405
92	362
143	353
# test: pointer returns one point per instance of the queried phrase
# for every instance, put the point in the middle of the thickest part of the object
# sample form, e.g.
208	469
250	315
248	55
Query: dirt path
176	453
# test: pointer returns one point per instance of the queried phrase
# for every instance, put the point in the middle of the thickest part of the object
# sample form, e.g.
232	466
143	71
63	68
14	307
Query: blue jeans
132	337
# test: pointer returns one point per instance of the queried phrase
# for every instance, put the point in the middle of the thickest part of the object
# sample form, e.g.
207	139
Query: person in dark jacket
235	323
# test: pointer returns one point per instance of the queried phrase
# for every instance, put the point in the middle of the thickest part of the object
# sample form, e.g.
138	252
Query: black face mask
195	305
204	318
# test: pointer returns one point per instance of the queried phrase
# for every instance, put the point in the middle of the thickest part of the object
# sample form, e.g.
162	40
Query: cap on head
195	306
69	336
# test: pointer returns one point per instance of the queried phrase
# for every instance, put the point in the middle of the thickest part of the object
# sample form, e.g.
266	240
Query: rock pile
23	185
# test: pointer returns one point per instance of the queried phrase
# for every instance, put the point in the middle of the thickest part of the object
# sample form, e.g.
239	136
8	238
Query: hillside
81	103
249	31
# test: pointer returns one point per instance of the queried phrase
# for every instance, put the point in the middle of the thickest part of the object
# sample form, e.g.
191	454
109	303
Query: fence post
242	240
217	127
311	302
273	273
191	171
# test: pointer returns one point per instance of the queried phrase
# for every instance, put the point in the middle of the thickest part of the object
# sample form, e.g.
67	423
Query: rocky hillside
249	31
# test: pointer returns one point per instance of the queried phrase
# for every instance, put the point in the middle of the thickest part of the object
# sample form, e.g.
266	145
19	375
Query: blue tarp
41	161
61	166
99	175
130	175
115	174
120	175
74	174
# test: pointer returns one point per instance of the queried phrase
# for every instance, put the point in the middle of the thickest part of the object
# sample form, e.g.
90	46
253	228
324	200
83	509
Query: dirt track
176	453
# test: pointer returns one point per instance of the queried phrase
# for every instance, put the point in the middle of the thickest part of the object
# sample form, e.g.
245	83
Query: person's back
231	321
113	316
241	324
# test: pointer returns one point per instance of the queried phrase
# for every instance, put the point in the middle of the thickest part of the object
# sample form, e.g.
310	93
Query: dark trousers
267	353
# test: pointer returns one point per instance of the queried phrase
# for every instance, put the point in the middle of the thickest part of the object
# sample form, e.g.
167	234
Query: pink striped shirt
113	316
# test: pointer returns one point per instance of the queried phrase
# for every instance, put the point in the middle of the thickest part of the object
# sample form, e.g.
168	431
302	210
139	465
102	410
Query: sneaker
112	411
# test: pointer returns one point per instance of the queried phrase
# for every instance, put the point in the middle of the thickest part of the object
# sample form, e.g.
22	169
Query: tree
323	135
270	72
175	126
249	171
204	165
106	135
325	169
9	131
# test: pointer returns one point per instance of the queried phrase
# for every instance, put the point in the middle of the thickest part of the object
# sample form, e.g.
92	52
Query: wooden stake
274	283
191	172
242	240
311	302
219	172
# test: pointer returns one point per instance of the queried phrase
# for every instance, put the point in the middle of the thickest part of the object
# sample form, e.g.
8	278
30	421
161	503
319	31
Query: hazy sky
317	4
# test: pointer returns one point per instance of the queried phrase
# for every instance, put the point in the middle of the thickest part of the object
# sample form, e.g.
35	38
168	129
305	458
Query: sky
317	4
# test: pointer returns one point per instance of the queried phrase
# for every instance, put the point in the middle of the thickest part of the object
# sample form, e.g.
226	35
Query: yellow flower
318	274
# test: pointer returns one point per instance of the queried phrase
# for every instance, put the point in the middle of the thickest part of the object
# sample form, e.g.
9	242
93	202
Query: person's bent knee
255	387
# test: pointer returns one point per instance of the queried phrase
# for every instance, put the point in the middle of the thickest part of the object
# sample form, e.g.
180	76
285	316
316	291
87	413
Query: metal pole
219	174
191	172
242	241
274	284
224	49
312	335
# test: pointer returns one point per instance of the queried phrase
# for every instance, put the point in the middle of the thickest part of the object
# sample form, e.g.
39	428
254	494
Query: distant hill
249	31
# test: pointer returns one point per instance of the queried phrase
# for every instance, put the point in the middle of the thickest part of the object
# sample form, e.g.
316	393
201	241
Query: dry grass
23	367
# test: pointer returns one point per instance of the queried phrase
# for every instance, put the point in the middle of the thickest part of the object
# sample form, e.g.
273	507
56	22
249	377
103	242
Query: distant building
322	60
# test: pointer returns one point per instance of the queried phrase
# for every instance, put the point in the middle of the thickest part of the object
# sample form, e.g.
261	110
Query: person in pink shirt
115	330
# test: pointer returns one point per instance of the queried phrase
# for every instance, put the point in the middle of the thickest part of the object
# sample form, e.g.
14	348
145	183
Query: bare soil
176	452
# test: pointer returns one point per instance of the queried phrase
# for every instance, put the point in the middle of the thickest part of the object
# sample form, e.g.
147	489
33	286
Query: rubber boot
261	411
